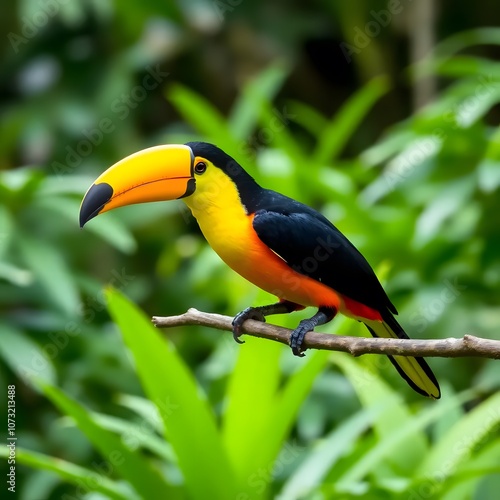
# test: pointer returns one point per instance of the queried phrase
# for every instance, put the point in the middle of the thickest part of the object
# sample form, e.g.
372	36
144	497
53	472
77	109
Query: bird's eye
200	167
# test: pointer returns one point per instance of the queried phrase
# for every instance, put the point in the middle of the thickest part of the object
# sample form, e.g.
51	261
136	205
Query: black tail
415	371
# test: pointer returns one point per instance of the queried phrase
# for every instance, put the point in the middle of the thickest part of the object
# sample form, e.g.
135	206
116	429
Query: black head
221	160
248	189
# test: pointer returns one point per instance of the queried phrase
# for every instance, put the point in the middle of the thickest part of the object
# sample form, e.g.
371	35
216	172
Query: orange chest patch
240	248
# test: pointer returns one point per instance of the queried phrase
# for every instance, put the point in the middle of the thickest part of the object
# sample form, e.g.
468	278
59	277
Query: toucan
281	245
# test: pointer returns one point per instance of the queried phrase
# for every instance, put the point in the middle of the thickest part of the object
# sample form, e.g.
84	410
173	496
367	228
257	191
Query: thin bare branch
467	346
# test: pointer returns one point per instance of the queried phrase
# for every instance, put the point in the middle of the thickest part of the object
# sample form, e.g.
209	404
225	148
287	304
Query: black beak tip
95	199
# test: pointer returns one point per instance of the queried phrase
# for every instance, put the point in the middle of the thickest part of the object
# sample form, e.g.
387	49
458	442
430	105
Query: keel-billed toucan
277	243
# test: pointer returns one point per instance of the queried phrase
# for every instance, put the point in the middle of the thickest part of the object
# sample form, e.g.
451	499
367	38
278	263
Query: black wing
311	245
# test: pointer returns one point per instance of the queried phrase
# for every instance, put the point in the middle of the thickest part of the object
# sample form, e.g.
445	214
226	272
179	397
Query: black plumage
313	246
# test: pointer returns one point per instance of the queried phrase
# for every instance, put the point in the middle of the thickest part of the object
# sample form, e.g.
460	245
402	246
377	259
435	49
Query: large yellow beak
155	174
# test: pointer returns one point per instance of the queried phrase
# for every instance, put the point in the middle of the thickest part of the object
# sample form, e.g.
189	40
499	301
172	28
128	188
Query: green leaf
472	472
445	50
288	402
144	408
464	66
113	231
24	356
468	38
279	421
132	466
399	437
456	446
488	169
371	390
15	275
110	228
326	453
246	110
85	479
493	150
198	112
22	183
51	271
308	117
57	185
251	391
340	128
276	123
387	147
454	195
136	435
488	173
189	423
7	227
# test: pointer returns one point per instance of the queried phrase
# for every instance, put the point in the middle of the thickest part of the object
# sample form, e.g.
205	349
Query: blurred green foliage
85	83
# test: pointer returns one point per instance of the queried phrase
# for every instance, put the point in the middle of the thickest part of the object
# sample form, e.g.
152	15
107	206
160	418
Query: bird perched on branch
275	242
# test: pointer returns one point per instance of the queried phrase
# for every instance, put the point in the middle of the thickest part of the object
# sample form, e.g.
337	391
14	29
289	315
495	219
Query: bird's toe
240	318
237	332
297	337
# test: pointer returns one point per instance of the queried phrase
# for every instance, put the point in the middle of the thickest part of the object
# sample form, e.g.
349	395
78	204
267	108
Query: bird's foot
298	335
323	315
249	313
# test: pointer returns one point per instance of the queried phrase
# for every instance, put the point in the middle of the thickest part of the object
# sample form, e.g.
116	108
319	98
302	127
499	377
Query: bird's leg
324	315
259	314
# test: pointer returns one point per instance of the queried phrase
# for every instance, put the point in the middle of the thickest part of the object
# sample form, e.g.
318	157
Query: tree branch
467	346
